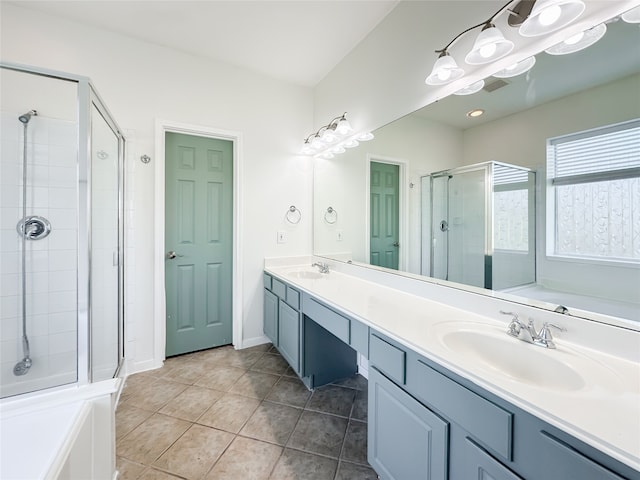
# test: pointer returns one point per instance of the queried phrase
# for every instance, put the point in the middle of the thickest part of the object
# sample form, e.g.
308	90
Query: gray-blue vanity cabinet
289	335
271	316
283	320
488	437
406	440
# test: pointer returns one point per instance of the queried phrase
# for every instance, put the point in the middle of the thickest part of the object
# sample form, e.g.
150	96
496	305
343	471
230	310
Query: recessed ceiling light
475	113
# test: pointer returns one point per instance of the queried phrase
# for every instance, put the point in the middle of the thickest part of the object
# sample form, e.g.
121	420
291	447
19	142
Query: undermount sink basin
518	360
305	275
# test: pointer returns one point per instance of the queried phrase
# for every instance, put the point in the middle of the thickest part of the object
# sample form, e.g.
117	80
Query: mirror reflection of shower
482	220
30	227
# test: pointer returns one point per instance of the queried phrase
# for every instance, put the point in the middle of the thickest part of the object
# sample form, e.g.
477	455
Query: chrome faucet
527	332
323	267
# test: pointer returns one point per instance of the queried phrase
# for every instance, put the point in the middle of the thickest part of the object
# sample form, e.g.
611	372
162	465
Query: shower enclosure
61	210
479	225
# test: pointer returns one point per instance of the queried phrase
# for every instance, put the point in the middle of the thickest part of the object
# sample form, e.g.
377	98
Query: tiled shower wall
51	263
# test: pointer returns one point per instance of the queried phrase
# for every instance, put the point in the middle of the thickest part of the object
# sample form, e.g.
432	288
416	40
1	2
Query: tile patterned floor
240	415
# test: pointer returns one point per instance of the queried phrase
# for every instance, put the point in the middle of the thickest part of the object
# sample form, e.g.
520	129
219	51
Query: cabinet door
289	335
405	439
271	316
473	462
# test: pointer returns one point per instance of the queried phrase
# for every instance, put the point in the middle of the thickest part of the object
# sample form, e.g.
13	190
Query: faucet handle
544	337
514	325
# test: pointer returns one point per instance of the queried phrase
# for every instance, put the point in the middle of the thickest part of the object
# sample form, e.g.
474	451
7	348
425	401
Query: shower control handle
171	255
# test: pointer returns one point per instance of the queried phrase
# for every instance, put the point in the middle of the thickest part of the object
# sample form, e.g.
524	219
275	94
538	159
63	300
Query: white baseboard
252	342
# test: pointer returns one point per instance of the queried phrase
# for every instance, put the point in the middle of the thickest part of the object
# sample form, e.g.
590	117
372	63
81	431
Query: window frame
551	217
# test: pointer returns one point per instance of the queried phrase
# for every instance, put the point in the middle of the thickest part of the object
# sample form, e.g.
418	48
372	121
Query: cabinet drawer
293	298
489	424
279	288
388	358
266	280
327	318
360	338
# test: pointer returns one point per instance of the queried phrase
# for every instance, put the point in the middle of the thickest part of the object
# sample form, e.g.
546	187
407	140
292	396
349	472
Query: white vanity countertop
604	412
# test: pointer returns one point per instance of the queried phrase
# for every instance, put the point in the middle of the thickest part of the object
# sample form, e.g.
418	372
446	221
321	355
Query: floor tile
272	422
195	452
220	377
319	433
187	372
254	384
230	412
360	406
154	396
332	399
271	363
153	474
355	443
351	471
357	381
246	459
152	437
129	417
128	470
290	391
191	403
296	465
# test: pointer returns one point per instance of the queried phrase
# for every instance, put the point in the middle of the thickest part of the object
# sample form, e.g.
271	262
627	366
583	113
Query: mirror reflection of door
384	211
198	240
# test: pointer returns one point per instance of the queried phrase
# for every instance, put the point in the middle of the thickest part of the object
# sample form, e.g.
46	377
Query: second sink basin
518	360
305	274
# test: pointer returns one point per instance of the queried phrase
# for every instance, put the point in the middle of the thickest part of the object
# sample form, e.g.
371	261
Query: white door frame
403	207
160	326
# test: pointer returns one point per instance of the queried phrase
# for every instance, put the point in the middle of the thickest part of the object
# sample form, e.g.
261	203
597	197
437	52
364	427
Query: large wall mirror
469	201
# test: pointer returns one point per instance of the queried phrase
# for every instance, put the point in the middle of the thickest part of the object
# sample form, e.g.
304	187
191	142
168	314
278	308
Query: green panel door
384	212
198	239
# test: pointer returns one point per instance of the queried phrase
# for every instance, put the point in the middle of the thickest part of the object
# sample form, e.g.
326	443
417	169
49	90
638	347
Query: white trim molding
162	127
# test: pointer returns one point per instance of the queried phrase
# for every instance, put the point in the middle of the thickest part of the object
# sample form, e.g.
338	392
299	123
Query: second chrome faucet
527	332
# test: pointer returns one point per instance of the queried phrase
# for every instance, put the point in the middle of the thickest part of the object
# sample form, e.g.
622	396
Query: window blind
601	154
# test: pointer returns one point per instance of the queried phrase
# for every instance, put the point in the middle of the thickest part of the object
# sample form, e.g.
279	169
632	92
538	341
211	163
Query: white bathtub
60	434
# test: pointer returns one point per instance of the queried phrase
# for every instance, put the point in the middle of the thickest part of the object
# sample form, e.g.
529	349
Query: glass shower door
105	251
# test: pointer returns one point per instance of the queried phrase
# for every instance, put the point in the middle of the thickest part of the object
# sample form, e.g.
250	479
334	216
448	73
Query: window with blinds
593	180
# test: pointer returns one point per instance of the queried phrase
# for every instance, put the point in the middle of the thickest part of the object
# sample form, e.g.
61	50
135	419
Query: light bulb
488	50
574	39
550	15
344	127
444	74
317	143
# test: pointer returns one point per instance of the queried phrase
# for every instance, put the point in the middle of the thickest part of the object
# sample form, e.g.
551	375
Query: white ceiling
298	41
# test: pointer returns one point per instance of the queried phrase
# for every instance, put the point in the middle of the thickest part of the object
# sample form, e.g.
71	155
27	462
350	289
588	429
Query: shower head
24	118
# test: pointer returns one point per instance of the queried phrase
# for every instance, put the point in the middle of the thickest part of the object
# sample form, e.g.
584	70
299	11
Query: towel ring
293	215
330	216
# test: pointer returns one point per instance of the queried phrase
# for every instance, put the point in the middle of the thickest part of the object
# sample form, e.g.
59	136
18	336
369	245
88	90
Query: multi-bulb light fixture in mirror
334	138
533	18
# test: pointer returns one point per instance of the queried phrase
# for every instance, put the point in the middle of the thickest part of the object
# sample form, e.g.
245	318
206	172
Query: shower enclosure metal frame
88	98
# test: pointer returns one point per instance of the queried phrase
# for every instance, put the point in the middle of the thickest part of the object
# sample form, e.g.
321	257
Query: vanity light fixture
490	45
578	42
471	89
532	17
632	16
333	139
550	15
516	69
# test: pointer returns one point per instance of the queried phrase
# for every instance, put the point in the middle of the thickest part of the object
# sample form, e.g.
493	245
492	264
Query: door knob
396	244
171	255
